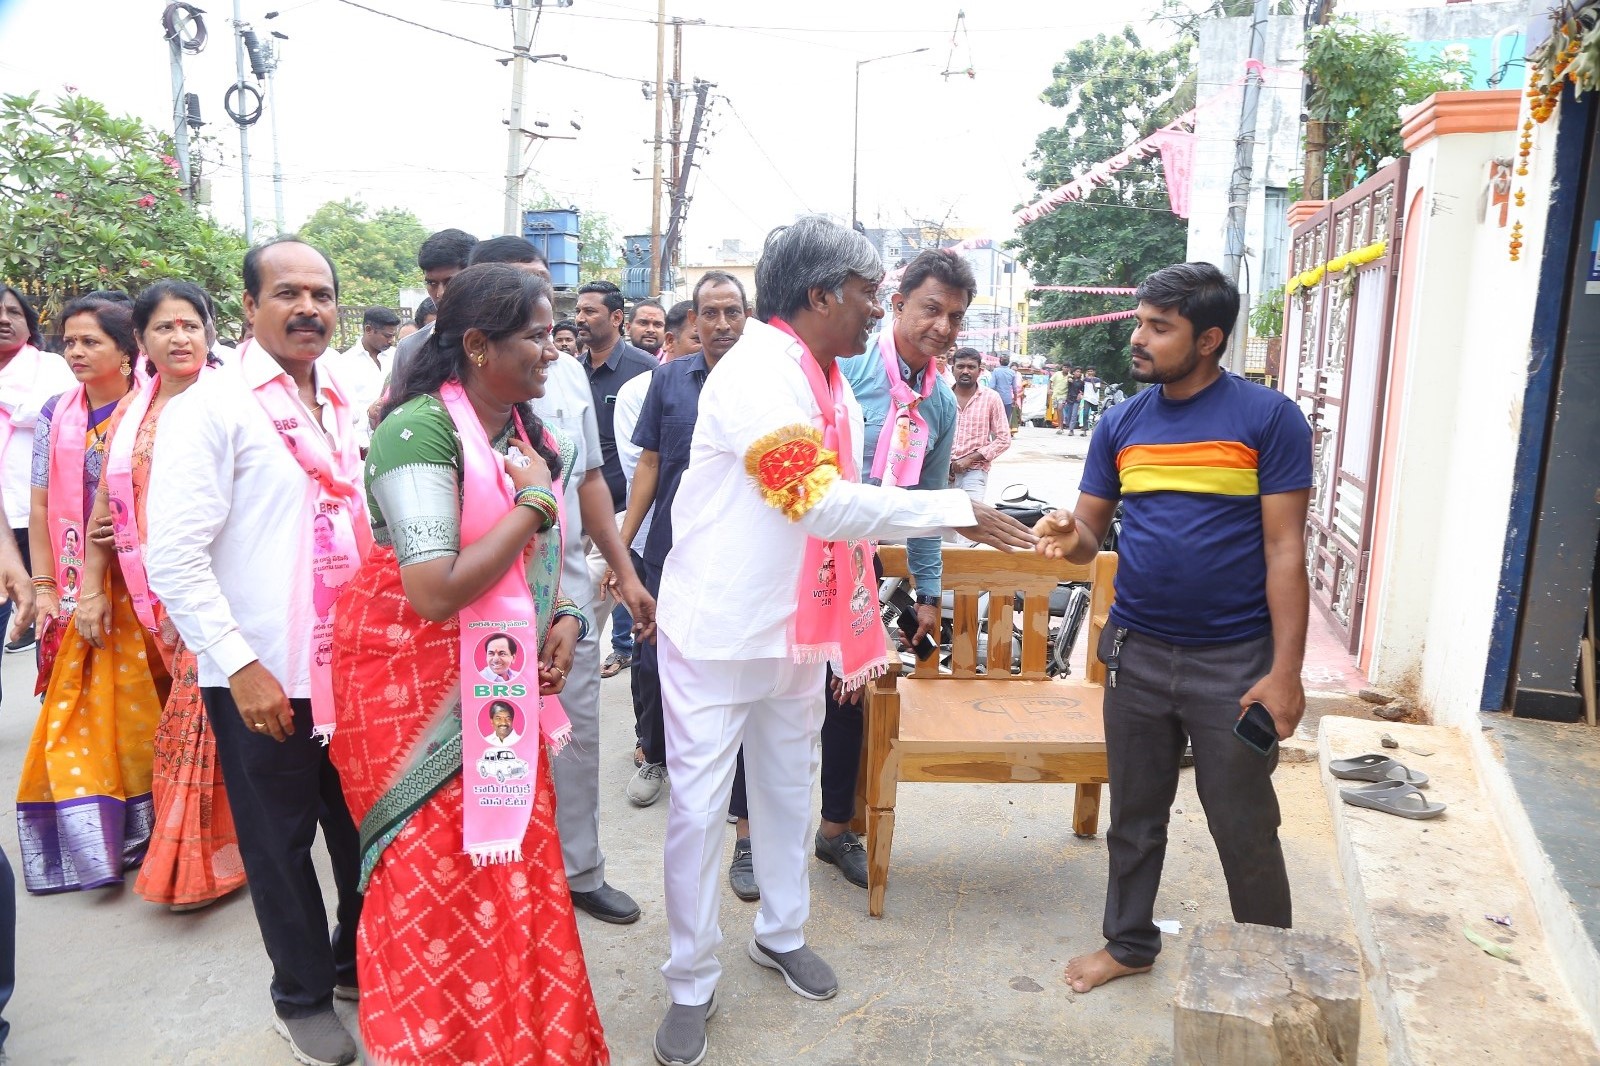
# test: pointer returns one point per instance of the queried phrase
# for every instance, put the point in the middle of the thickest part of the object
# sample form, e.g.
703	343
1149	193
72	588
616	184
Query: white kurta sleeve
769	423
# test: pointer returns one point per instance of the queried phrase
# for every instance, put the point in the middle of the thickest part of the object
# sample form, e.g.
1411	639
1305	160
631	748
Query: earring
478	358
127	367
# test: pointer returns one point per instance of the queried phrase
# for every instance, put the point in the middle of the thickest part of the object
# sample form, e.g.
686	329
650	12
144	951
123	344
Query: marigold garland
1356	257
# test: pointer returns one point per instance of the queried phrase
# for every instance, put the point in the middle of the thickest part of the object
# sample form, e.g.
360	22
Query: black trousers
279	794
842	725
646	680
1163	692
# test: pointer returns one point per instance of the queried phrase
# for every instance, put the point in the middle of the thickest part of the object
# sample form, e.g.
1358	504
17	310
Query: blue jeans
622	631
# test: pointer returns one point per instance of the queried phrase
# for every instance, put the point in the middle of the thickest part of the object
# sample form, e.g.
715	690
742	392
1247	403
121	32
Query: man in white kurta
728	598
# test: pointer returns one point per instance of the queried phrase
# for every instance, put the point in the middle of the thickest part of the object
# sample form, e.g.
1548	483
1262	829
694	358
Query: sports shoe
803	970
319	1040
742	871
26	642
644	788
847	853
681	1036
615	663
348	993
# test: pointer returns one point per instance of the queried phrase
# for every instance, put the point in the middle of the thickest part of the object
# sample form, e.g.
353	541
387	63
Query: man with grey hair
769	581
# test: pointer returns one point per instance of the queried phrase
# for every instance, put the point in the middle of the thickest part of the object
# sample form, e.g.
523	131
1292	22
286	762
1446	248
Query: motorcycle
1069	601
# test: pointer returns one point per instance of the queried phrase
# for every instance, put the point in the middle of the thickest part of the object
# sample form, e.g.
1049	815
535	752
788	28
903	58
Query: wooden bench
982	723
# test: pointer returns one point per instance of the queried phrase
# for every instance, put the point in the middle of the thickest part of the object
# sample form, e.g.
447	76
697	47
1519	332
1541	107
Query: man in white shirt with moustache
233	519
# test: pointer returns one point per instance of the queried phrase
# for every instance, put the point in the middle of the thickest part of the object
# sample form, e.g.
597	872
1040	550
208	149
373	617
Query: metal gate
1337	339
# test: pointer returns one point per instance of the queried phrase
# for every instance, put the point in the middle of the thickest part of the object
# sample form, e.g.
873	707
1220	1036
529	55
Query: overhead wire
751	134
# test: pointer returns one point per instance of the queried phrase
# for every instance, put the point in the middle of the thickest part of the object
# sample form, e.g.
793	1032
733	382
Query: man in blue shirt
1004	380
935	290
1214	474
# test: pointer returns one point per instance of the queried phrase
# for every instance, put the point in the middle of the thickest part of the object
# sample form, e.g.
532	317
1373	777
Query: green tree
376	253
1112	91
599	250
1361	78
92	201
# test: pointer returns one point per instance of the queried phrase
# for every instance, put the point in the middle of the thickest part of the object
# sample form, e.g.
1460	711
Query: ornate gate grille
1336	341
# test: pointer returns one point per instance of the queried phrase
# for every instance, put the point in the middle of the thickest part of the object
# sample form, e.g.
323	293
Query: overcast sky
394	115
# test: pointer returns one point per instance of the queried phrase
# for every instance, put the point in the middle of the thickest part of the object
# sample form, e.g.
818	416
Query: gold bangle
92	596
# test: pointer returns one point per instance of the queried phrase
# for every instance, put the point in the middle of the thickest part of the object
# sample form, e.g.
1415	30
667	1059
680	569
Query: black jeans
842	725
646	681
1164	691
279	794
8	942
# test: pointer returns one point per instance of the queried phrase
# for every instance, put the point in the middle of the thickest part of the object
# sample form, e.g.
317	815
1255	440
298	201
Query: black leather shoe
608	904
847	853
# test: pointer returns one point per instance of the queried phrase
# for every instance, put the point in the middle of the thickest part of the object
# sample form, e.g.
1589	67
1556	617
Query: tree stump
1251	995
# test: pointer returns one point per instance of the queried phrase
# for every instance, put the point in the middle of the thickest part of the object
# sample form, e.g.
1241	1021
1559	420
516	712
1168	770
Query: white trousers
774	707
975	483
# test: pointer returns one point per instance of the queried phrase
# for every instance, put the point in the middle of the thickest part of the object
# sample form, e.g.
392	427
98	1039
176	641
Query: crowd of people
449	512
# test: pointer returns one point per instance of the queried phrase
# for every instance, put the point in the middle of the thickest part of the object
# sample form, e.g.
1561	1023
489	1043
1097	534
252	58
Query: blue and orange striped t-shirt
1190	475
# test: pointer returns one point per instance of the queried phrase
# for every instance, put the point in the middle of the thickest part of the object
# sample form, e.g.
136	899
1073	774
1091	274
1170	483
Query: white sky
396	116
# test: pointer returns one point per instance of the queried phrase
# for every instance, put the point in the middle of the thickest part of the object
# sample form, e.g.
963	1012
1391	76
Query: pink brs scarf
340	534
836	621
903	441
69	430
497	771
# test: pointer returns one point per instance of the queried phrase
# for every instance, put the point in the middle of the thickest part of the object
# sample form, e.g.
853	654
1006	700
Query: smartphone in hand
1257	729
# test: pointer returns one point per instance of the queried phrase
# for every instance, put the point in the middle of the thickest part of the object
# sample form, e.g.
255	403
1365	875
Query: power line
776	169
497	49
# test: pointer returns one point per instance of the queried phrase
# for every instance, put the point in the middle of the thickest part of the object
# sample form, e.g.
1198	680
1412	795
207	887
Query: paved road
991	894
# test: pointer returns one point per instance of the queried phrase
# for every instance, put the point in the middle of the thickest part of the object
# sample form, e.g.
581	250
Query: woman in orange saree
193	858
462	961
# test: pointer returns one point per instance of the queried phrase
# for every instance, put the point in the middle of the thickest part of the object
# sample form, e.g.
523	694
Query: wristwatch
927	599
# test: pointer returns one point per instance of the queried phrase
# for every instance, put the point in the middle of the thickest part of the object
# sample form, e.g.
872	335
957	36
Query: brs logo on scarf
488	692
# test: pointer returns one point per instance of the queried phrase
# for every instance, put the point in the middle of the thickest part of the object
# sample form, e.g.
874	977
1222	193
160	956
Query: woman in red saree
193	859
460	962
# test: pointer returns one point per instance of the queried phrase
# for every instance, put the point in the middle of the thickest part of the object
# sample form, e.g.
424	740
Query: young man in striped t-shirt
1214	474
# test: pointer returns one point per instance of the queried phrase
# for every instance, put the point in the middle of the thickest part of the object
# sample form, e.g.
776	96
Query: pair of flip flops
1394	788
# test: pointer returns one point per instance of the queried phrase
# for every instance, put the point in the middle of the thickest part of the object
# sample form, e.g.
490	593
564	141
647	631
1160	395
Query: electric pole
677	101
177	42
272	115
655	179
521	46
244	127
1244	162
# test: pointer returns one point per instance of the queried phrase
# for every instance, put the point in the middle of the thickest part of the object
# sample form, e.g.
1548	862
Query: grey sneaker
742	871
644	788
803	970
681	1037
320	1040
847	853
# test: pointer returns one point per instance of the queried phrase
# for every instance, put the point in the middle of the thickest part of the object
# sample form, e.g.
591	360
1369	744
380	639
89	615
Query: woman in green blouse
457	962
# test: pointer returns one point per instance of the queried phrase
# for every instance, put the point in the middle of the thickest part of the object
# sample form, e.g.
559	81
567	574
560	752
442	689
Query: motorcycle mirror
1014	493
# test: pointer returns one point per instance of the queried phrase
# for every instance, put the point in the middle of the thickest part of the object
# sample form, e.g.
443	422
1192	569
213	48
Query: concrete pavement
991	894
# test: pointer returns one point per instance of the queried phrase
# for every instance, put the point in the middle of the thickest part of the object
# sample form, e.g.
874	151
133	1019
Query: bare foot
1091	971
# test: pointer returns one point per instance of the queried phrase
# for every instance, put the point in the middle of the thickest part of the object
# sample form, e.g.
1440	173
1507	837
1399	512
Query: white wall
1468	341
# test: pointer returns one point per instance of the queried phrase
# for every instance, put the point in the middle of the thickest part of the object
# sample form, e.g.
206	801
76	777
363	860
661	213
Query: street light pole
855	151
